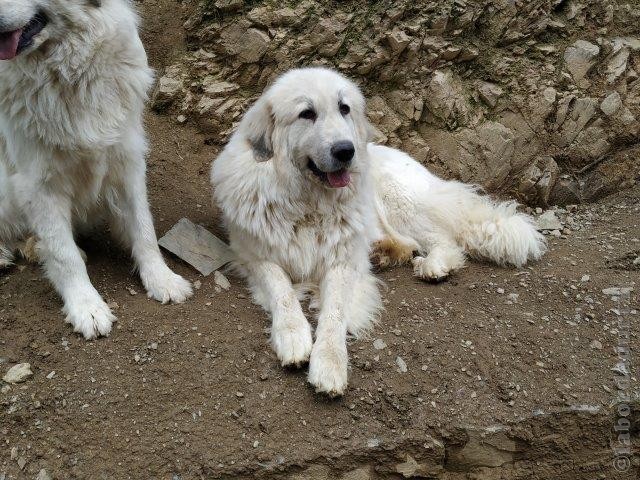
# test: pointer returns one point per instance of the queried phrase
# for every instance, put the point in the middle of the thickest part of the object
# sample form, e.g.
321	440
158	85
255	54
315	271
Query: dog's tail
488	229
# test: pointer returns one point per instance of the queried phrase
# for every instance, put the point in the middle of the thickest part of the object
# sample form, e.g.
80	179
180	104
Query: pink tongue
9	44
339	179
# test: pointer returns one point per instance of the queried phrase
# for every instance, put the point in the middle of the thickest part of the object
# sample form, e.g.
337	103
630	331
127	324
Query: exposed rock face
535	99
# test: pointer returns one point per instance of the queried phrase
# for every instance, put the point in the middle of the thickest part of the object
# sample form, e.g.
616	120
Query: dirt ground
508	372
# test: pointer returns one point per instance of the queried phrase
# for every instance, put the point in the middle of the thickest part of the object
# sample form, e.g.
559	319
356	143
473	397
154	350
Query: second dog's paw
431	269
165	286
328	369
90	316
293	344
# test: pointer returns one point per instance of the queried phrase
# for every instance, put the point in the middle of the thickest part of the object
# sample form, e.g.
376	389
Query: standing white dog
305	199
73	83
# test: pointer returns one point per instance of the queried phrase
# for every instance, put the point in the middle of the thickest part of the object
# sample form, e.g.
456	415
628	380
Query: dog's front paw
292	342
165	286
90	316
430	268
328	369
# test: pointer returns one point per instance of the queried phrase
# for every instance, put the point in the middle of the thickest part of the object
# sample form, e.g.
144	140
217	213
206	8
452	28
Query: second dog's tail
494	230
488	229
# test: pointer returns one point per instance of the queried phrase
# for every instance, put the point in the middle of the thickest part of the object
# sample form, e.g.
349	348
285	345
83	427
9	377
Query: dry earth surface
495	374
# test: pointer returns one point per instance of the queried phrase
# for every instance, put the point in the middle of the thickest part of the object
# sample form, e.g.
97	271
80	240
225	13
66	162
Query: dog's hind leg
12	225
290	331
443	257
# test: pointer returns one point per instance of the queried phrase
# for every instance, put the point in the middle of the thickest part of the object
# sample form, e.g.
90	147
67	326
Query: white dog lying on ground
305	200
73	83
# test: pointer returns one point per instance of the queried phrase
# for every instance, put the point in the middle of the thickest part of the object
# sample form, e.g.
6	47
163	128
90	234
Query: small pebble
402	366
379	344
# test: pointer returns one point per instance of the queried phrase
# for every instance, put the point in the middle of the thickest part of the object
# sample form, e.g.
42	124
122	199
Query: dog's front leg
329	359
290	331
133	222
49	217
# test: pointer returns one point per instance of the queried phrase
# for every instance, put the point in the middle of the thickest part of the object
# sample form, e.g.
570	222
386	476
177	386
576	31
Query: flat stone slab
197	246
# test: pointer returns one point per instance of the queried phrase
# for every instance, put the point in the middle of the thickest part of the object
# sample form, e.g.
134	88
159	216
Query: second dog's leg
132	220
444	257
290	332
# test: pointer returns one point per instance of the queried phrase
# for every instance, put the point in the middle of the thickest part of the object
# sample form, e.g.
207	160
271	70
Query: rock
229	5
315	472
620	368
402	366
490	93
617	65
43	475
168	88
247	44
379	344
363	473
549	221
611	104
490	448
398	41
595	345
580	58
446	99
214	87
566	191
221	280
539	180
573	116
585	278
617	291
384	116
206	104
18	373
409	468
197	246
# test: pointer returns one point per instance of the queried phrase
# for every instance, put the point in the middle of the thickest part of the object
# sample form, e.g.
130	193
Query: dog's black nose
343	151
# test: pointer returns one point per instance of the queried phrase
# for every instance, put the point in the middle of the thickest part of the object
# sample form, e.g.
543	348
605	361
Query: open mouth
14	42
338	179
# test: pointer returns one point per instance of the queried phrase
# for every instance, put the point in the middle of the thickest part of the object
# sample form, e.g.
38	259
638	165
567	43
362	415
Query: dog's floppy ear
365	129
259	124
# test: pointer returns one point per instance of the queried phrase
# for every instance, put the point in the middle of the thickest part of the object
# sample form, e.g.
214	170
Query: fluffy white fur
72	148
292	232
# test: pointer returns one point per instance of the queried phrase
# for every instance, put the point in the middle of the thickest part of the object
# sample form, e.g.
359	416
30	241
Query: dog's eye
344	109
308	114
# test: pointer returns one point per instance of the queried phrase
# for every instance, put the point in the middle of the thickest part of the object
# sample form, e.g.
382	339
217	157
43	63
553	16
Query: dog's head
315	119
25	25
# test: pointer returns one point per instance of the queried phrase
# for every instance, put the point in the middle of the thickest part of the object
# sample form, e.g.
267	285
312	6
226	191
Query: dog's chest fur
305	233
